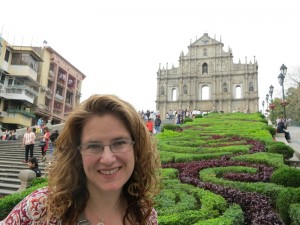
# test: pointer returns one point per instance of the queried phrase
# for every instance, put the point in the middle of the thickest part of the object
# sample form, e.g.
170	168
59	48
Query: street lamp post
281	77
271	88
267	101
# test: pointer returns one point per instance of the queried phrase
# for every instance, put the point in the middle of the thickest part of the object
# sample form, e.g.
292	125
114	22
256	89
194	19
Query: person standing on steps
53	138
106	170
46	139
28	142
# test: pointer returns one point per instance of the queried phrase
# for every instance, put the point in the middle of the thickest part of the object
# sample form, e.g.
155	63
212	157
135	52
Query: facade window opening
185	89
205	92
205	52
10	82
238	91
162	90
174	94
2	78
204	68
225	88
251	88
7	54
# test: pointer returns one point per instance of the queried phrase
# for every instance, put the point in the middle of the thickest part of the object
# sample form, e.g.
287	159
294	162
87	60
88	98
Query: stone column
26	177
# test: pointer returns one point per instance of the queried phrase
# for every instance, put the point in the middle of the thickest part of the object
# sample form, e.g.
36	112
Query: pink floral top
30	211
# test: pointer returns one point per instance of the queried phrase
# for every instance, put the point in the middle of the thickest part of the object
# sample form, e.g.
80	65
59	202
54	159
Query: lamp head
283	69
281	79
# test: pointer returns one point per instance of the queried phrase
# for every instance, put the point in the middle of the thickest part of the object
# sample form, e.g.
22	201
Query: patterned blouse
32	208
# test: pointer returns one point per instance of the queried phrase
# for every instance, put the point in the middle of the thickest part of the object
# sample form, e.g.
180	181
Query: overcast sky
118	44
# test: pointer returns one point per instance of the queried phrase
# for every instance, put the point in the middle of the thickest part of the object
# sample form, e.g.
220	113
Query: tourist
157	123
149	125
106	170
34	166
44	144
53	138
282	128
28	142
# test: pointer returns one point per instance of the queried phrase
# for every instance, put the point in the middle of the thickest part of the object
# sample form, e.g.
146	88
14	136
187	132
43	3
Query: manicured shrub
173	127
198	116
10	201
283	149
286	176
295	214
187	120
271	129
285	199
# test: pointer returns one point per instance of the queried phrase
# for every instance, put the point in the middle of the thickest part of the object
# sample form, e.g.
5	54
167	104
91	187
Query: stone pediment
205	40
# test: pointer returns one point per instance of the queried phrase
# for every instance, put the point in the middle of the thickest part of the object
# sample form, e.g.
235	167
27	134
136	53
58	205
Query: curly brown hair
68	193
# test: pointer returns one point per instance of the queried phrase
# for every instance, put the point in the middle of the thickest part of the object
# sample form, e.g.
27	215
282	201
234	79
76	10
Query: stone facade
208	80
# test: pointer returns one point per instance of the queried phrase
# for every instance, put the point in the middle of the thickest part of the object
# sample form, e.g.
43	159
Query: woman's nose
107	156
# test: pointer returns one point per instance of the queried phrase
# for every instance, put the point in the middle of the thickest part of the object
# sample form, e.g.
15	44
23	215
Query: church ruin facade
208	80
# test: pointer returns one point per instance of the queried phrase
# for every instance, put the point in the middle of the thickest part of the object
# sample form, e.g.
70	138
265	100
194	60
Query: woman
34	166
282	128
45	139
106	170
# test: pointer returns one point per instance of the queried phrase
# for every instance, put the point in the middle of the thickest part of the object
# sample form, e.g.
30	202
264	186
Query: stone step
8	186
10	180
6	191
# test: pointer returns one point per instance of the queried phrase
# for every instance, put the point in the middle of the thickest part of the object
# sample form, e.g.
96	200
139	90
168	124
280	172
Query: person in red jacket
149	125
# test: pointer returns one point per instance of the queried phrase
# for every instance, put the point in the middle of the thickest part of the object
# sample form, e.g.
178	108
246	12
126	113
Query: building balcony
59	97
19	117
22	71
19	92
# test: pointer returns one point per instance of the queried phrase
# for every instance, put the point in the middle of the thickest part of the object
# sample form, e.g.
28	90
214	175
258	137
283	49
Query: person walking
45	139
28	142
157	123
53	138
149	125
106	170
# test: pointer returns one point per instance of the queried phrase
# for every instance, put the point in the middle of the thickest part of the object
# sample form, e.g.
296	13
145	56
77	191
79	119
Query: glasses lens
91	148
121	146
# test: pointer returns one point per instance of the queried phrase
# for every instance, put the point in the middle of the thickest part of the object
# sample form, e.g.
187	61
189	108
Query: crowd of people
8	135
46	141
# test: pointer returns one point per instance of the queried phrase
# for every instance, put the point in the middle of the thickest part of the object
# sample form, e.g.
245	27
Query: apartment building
36	82
60	86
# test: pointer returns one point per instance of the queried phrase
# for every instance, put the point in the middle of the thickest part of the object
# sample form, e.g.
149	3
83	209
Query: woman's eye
94	146
119	143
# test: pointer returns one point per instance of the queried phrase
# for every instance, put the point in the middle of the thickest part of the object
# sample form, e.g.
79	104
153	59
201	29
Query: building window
238	91
162	90
204	68
185	89
7	54
174	94
24	59
10	82
225	88
205	52
251	88
205	92
2	78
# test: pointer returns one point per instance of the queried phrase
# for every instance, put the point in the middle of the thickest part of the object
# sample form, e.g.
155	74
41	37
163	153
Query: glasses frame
129	142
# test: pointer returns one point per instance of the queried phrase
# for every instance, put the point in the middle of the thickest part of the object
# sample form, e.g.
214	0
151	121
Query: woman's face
106	171
31	165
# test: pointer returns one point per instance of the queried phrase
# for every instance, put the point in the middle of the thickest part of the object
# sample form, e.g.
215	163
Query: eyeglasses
94	148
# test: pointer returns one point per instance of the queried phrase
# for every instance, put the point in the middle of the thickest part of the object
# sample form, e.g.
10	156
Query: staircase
12	155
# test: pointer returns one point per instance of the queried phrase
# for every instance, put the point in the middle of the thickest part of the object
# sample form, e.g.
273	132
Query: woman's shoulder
153	218
31	208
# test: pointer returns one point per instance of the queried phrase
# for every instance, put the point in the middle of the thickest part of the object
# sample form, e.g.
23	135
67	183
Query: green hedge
8	202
